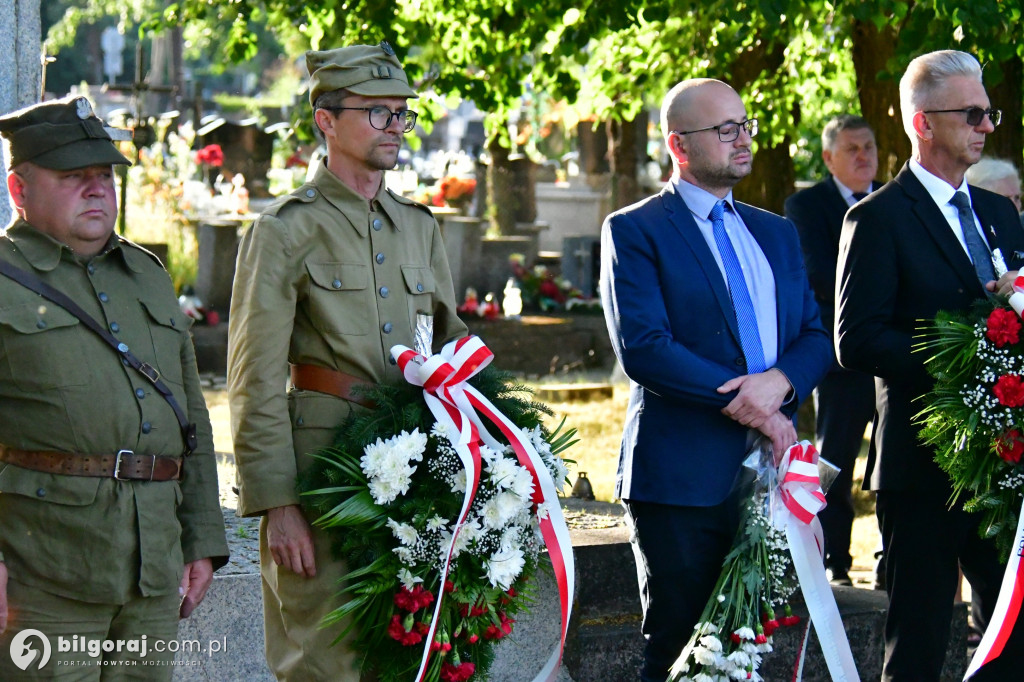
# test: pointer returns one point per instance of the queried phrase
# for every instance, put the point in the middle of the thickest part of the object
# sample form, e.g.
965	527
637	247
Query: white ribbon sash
799	499
455	403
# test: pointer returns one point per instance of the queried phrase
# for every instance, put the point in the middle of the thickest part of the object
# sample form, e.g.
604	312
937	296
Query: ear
16	188
826	156
921	126
323	119
677	149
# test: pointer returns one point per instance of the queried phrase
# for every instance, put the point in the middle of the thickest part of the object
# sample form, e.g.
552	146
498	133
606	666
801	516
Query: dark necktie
857	196
976	246
746	318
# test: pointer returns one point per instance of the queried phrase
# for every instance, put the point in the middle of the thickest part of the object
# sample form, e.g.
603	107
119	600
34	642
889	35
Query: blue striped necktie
746	319
976	246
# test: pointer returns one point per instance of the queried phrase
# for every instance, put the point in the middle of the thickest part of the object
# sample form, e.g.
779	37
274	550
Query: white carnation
504	567
403	532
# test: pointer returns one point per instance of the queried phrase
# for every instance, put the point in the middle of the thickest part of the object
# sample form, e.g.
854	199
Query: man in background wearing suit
844	401
713	320
920	244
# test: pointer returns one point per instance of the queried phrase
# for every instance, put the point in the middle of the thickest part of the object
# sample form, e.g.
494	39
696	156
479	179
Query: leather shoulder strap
30	281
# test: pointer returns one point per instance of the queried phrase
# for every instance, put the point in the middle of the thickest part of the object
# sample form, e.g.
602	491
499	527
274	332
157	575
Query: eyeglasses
974	114
728	131
381	116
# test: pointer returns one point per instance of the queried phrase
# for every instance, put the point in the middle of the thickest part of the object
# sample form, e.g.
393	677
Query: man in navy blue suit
844	401
713	320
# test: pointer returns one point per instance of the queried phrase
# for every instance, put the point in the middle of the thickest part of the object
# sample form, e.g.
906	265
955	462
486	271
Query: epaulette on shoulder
131	246
409	202
304	194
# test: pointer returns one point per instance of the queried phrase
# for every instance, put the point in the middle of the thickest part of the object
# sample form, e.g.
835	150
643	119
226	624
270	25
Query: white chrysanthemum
459	482
703	656
543	510
710	643
403	532
746	634
488	455
442	431
412	444
383	492
504	567
404	555
739	658
407	579
502	471
509	538
522	484
436	523
703	677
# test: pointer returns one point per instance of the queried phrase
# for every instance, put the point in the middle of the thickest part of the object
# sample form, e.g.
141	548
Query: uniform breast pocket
419	284
166	325
339	302
42	346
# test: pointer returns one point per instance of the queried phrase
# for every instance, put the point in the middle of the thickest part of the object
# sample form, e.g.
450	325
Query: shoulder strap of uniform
30	281
409	202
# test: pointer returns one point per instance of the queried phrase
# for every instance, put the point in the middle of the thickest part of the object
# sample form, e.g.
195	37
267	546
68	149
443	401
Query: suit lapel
934	223
679	215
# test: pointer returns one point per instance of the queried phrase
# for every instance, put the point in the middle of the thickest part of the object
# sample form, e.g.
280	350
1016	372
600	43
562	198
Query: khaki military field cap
368	70
61	134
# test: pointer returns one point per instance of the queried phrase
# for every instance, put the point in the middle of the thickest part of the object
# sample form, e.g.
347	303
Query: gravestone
20	31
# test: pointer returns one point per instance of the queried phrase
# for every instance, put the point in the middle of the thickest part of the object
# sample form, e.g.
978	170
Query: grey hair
989	171
925	75
837	125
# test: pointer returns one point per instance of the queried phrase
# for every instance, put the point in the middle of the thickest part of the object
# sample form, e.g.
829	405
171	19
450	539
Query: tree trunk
773	177
501	189
1008	139
879	95
622	146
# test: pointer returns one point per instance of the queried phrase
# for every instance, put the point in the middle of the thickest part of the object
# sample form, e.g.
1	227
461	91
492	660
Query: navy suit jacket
674	332
899	264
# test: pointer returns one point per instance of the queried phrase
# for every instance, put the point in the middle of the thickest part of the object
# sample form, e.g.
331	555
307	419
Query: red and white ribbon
458	405
1008	605
796	503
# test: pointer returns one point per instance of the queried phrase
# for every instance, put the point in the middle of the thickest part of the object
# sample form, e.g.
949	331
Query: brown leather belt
124	466
330	381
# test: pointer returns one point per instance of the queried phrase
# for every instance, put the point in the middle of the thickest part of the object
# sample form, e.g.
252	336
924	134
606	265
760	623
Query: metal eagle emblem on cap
388	50
83	108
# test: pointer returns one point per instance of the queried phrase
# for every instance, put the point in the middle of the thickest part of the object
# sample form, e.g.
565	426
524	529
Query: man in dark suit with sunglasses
920	244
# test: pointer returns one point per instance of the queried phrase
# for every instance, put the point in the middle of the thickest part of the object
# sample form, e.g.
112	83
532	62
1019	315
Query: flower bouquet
441	524
975	411
751	598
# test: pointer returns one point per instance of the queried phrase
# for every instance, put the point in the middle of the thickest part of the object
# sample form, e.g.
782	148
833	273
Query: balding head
682	106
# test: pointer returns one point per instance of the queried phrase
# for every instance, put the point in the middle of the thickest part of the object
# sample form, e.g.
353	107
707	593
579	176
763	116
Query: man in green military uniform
329	278
108	530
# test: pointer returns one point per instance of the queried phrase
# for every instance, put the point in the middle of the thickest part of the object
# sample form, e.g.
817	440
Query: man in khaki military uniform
329	278
107	530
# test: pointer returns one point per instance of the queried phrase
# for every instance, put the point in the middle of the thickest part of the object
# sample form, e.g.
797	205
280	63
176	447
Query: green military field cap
368	70
61	134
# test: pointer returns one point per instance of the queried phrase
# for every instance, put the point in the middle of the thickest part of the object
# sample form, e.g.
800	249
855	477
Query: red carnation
210	155
413	600
1003	327
1010	390
397	632
457	673
1010	446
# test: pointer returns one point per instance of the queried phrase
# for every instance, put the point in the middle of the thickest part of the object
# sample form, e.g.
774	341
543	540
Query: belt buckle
117	465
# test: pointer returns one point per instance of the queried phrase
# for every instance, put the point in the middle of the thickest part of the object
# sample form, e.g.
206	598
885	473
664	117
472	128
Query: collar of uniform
352	205
42	251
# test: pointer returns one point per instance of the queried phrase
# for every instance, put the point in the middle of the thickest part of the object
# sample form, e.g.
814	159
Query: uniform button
419	287
380	258
392	360
140	394
387	328
310	193
103	297
91	268
384	292
146	427
115	327
41	492
41	324
124	361
336	284
377	224
174	323
299	421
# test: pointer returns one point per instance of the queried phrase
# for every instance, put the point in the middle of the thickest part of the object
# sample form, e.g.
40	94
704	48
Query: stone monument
20	82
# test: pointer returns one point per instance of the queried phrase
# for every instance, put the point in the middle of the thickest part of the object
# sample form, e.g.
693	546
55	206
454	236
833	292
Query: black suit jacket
899	264
818	213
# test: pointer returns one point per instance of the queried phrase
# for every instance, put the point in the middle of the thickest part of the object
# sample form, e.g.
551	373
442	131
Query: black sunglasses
974	114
